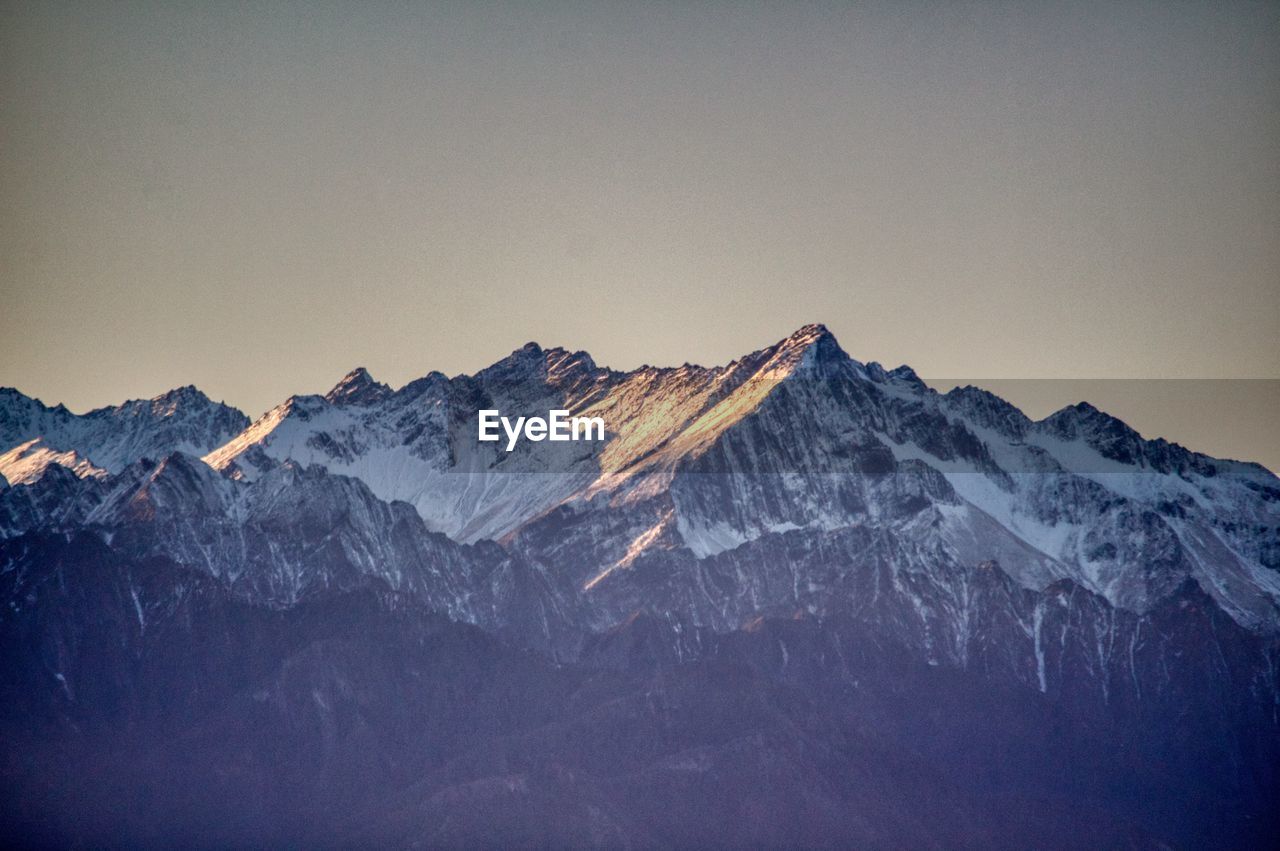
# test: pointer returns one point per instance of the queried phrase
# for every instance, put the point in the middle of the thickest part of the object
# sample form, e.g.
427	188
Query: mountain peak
171	401
817	337
1084	418
810	334
357	387
1110	436
186	391
532	360
811	347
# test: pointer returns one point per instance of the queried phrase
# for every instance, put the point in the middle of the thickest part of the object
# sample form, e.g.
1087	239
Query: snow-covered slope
797	436
111	438
26	462
709	465
418	444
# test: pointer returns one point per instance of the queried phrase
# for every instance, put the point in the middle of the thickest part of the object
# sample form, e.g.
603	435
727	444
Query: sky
258	197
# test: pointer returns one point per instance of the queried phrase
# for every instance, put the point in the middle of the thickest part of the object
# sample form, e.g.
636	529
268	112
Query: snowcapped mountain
797	437
111	438
418	444
778	569
704	474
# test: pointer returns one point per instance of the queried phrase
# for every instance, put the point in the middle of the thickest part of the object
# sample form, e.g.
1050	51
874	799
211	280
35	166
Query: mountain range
795	600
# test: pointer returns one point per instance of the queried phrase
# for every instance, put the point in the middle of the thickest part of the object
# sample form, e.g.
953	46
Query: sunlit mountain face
797	600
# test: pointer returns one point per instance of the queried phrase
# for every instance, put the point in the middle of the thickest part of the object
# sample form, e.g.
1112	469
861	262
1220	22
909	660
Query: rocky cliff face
786	599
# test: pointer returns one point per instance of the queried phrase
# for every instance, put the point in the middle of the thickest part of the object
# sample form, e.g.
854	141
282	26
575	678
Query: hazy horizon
256	199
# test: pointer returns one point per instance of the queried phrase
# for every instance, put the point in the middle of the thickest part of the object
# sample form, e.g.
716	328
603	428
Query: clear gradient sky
256	197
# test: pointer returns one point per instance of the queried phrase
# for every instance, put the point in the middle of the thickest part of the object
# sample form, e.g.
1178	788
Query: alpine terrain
797	600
